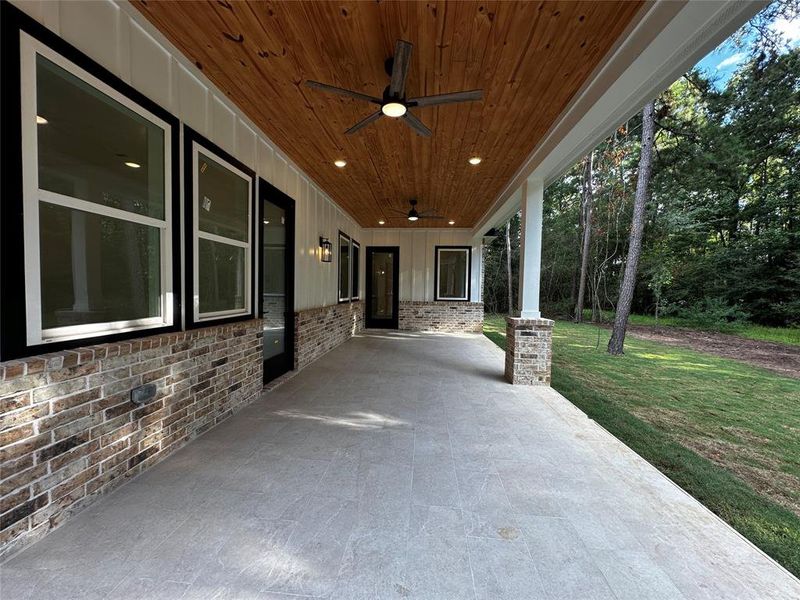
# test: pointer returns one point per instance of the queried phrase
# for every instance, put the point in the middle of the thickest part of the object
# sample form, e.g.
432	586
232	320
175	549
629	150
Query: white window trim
199	317
354	268
468	252
33	196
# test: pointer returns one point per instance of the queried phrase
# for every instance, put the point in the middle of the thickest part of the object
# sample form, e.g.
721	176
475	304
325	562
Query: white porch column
530	255
529	336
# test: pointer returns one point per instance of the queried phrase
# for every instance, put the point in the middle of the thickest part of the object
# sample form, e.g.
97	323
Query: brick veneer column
529	344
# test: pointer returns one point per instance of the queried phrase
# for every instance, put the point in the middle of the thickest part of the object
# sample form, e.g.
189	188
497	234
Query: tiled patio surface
400	466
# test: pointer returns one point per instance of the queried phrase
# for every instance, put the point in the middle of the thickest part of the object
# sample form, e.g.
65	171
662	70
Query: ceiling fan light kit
394	103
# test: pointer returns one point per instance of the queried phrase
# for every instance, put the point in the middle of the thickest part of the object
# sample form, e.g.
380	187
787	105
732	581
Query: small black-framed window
344	267
453	265
89	247
355	261
220	233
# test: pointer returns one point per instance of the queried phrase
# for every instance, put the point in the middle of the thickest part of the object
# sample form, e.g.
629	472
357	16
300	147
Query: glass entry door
277	280
383	276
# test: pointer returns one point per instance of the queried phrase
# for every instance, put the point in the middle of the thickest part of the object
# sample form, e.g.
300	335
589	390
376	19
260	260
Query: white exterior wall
417	257
115	35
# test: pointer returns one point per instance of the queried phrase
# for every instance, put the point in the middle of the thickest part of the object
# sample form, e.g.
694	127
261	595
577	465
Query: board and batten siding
115	35
418	258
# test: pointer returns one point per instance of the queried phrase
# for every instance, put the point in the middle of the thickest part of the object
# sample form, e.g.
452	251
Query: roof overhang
665	40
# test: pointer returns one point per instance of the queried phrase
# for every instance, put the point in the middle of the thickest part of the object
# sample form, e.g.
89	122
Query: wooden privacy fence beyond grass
727	433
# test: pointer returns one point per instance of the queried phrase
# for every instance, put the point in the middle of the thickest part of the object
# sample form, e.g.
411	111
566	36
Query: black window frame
436	296
13	313
355	280
190	137
339	297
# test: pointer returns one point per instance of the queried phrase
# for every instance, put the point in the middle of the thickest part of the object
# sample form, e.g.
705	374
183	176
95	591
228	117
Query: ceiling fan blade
430	217
400	61
416	124
399	212
342	92
451	98
364	122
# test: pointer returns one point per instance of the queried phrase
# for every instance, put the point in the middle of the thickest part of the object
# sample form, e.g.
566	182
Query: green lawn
784	335
726	432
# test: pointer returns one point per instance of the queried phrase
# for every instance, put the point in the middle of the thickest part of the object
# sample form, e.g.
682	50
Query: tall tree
626	288
586	220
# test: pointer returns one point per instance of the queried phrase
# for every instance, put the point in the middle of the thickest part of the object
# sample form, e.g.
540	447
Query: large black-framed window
89	248
219	215
453	265
343	266
355	266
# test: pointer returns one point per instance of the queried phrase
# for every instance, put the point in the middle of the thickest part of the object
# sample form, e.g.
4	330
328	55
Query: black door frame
383	323
278	365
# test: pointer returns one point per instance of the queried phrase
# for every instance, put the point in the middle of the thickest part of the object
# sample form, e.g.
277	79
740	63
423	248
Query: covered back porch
401	465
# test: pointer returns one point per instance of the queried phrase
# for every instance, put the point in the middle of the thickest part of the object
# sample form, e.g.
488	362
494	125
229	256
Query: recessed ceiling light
381	222
475	160
132	165
41	120
340	163
451	222
266	222
393	109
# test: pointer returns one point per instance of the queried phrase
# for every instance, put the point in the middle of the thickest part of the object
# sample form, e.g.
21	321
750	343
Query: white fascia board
664	41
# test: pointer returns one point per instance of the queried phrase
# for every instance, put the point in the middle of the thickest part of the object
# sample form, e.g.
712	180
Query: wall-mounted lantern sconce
325	250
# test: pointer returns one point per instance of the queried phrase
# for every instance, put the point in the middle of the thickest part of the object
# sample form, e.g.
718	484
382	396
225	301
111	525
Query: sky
724	61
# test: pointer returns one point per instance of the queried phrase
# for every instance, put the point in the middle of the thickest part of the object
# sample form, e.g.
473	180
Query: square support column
529	338
529	344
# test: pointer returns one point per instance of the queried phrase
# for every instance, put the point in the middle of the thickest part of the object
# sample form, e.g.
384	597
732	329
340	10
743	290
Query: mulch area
783	359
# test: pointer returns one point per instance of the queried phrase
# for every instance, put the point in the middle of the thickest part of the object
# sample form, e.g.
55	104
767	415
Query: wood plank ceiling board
529	58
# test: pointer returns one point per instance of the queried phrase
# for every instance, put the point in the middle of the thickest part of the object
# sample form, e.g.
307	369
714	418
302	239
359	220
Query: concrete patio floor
400	465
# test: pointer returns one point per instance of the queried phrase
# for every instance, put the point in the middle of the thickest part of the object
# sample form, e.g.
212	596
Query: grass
783	335
727	433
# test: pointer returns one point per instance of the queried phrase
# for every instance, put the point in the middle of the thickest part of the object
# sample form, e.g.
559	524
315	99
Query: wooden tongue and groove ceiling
529	58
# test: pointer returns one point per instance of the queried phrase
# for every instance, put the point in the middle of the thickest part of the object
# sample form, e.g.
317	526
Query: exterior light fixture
325	250
340	163
475	160
41	120
381	222
393	109
451	222
132	165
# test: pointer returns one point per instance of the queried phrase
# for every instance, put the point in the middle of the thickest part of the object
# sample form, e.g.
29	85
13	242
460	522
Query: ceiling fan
394	103
413	215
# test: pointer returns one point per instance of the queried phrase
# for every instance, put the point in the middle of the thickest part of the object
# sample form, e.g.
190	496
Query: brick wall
69	432
320	330
529	348
441	316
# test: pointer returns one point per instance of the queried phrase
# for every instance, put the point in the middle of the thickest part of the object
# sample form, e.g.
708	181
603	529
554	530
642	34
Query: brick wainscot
69	431
441	316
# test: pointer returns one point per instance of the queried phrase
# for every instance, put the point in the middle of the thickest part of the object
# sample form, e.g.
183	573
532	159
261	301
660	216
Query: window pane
222	276
356	256
97	269
223	199
452	274
88	138
344	268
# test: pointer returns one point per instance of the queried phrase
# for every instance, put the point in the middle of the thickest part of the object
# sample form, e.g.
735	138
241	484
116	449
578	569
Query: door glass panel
382	275
273	274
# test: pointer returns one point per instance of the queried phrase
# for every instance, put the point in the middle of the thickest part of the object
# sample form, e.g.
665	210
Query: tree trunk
617	341
586	212
508	270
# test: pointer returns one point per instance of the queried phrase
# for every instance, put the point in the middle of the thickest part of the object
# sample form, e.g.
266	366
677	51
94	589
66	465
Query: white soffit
665	40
